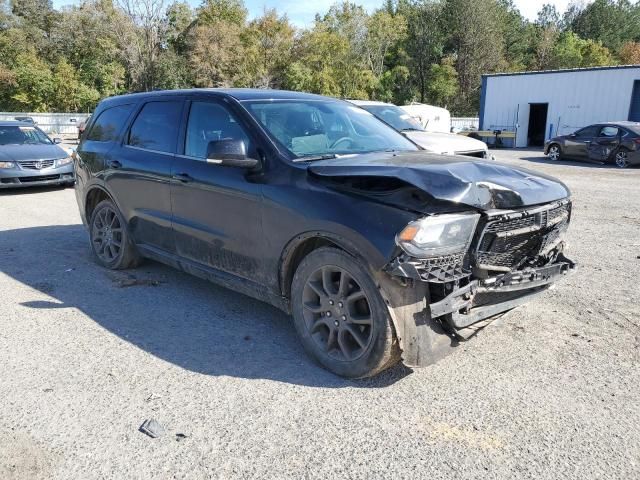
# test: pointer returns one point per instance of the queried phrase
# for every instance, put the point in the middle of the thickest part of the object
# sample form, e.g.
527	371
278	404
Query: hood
475	183
18	153
446	142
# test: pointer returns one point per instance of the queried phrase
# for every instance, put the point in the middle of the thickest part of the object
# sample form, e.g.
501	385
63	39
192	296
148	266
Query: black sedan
617	143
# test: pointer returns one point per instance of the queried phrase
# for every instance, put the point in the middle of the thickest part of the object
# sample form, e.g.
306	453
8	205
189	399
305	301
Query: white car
436	142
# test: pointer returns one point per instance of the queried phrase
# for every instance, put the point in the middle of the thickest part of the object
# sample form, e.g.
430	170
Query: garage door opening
537	124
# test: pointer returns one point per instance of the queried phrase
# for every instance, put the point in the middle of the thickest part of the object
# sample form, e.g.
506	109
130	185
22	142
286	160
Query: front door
604	144
216	209
139	171
576	145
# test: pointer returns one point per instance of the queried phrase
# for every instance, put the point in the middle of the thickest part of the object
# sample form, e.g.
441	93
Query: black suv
379	250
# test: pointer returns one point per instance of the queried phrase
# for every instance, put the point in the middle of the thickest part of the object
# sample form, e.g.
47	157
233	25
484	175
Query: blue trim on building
567	70
634	105
483	100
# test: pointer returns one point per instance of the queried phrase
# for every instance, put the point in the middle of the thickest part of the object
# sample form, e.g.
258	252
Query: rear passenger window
109	123
156	127
609	132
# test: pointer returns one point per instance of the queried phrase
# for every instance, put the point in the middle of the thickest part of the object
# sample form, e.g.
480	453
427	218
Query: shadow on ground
29	190
176	317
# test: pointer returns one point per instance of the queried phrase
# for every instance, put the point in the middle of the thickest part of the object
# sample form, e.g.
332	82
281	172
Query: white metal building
540	105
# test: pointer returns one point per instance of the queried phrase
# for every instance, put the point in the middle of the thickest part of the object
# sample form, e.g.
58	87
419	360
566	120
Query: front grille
41	178
36	164
476	154
510	241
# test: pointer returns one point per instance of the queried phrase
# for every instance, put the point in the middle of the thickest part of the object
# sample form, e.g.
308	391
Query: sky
302	12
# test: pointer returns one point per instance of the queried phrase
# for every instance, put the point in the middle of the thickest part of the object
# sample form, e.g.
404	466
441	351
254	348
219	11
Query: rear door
139	172
605	143
217	215
577	145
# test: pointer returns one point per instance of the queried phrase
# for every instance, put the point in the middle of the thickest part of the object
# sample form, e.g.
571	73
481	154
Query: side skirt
224	279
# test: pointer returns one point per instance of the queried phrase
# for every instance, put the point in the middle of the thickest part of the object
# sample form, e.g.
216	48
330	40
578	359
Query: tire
110	241
555	152
340	316
621	158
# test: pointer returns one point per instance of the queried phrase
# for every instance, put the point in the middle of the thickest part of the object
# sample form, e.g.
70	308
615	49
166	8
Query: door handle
114	164
182	177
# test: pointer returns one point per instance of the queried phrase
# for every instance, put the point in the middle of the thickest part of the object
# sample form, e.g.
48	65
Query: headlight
64	161
7	164
438	235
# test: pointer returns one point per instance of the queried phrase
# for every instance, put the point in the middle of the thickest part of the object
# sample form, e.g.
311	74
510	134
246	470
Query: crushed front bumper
484	298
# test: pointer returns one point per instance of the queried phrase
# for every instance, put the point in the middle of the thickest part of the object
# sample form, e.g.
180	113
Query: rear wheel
621	158
340	315
554	153
110	239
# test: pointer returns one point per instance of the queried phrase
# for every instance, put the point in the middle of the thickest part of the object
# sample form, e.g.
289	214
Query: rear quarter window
109	123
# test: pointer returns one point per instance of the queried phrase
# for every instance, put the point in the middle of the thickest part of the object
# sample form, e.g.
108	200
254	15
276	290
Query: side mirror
57	140
573	135
229	153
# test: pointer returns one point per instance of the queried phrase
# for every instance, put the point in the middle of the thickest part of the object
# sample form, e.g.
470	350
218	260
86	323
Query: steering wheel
341	140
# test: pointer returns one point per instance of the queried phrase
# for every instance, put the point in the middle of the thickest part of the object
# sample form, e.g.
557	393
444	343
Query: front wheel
340	316
554	152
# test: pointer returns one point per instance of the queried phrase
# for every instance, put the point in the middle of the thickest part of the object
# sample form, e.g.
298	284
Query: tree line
432	51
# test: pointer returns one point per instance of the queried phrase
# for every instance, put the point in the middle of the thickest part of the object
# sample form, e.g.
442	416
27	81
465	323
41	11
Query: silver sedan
28	157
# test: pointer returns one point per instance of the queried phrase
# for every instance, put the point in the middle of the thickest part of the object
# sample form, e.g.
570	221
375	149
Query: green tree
424	42
476	41
213	11
268	44
549	17
34	84
571	51
443	82
611	22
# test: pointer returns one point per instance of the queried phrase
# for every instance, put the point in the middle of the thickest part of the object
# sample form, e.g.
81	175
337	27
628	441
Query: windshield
394	116
309	128
22	135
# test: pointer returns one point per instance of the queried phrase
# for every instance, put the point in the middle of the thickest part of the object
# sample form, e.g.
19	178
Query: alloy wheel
337	313
621	159
554	152
106	234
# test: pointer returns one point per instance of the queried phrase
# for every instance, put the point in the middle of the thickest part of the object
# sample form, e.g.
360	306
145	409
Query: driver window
587	132
210	122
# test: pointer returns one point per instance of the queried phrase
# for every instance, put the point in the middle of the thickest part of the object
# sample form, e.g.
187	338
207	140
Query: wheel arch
93	197
302	245
552	144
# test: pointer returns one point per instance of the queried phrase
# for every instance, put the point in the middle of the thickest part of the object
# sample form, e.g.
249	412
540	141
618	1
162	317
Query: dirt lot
551	391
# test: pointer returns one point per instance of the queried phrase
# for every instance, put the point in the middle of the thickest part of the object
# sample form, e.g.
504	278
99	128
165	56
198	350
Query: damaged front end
511	256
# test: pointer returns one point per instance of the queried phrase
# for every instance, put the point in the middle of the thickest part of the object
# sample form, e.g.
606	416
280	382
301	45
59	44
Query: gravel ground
551	390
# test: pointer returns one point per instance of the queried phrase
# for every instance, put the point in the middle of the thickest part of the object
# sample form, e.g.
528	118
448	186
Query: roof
367	102
566	70
622	123
240	94
15	123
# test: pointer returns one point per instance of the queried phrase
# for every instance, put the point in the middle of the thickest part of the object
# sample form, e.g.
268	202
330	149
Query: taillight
637	140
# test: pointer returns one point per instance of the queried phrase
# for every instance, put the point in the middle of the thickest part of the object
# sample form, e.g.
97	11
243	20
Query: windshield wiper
411	129
311	158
